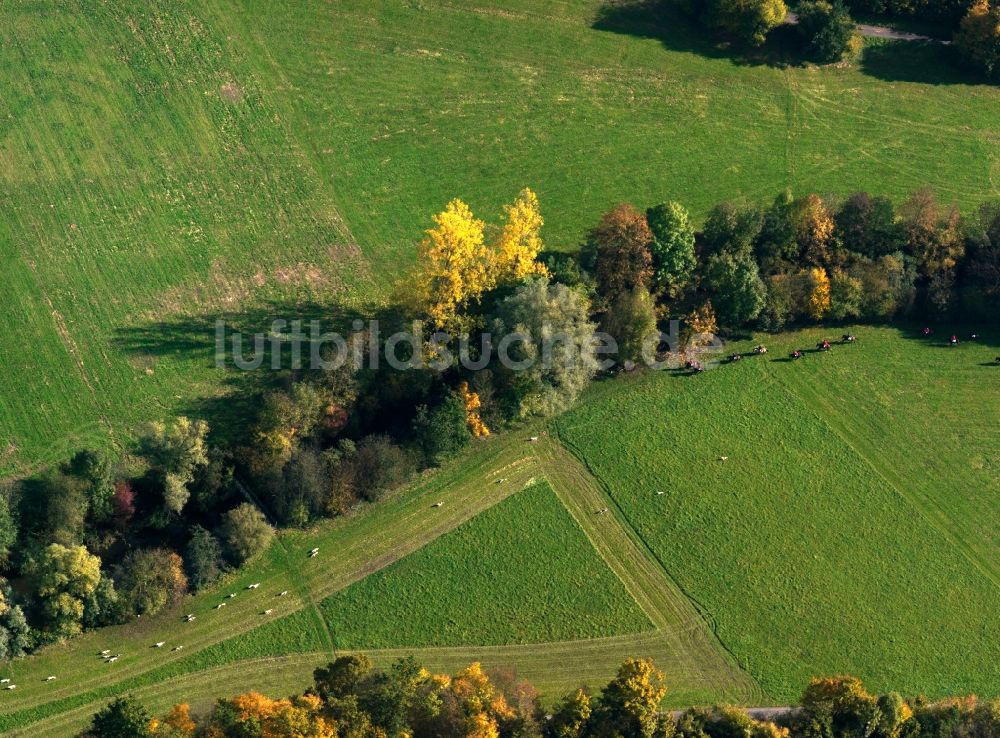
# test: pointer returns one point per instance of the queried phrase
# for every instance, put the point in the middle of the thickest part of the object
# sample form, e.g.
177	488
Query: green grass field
163	163
854	521
520	572
242	648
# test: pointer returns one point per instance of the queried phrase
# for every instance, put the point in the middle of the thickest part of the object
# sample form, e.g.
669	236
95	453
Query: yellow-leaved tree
516	250
455	266
819	293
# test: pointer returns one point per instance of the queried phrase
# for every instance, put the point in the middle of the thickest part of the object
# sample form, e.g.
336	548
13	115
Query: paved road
880	32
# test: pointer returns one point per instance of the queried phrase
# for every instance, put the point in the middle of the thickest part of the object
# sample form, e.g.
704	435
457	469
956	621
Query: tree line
350	698
97	541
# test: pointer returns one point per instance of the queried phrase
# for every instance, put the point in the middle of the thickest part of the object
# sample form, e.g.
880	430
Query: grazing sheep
253	586
268	611
11	686
4	681
660	492
533	439
231	595
106	651
50	678
282	593
159	644
723	458
220	606
177	648
437	504
189	618
113	659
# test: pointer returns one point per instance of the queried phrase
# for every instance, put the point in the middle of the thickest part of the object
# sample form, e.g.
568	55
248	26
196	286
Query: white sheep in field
11	686
50	678
268	611
159	644
282	593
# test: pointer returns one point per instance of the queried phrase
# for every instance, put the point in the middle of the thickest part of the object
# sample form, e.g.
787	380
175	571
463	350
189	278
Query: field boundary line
649	583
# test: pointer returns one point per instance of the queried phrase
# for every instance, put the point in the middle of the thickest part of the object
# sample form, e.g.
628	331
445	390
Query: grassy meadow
817	535
165	163
519	572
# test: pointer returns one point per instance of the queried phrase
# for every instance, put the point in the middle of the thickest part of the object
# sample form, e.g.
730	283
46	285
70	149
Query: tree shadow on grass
923	62
658	19
888	60
195	339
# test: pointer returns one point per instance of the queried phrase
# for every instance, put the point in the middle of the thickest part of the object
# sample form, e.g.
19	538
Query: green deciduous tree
124	717
246	532
672	247
552	340
150	579
175	452
738	294
978	37
202	557
731	228
826	29
867	225
631	320
442	431
847	296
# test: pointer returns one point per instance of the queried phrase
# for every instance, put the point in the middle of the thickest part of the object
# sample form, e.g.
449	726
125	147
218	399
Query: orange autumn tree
472	403
257	714
176	724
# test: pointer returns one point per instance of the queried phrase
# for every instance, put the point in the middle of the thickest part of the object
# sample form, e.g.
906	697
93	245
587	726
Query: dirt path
870	31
